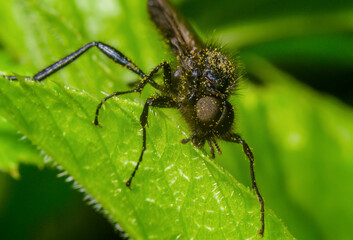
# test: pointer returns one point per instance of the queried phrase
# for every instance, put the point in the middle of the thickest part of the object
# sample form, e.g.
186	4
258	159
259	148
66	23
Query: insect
199	87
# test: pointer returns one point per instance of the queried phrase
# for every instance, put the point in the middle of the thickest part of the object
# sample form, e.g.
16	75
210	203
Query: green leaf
301	139
15	149
177	192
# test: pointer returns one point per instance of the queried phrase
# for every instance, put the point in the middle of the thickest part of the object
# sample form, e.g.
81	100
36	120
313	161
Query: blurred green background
295	111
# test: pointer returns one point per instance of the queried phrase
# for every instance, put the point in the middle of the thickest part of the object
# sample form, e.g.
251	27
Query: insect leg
167	77
211	149
186	140
167	74
109	51
142	84
247	150
152	82
161	102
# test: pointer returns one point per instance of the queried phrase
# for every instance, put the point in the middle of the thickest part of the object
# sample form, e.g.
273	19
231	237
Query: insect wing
179	34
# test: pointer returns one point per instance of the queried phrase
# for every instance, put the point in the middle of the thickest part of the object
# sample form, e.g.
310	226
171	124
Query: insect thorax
206	72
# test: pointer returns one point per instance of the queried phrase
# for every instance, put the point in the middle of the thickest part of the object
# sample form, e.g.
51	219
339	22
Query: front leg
107	50
167	78
160	102
142	84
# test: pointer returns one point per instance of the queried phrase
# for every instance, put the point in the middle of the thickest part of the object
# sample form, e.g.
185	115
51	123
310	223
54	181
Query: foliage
301	138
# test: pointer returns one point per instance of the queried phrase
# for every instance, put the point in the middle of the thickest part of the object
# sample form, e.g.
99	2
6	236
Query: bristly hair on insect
199	87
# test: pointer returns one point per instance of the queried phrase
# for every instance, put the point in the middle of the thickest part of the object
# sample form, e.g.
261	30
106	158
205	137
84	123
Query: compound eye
209	110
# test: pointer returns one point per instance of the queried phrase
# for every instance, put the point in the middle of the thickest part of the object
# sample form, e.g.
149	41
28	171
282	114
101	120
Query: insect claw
96	123
128	183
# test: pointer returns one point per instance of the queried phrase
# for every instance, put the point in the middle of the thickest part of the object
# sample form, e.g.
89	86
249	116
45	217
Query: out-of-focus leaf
211	14
14	150
255	32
